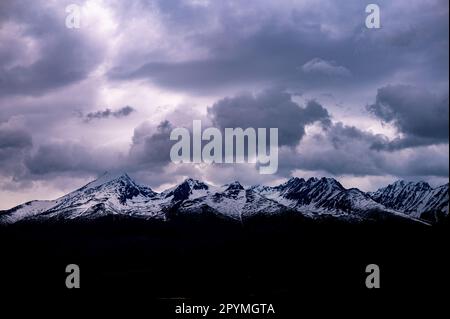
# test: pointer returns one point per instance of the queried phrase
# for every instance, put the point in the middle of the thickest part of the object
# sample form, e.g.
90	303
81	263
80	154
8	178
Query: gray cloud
346	150
422	117
65	56
63	158
151	148
14	138
270	43
69	159
15	145
271	108
122	112
339	149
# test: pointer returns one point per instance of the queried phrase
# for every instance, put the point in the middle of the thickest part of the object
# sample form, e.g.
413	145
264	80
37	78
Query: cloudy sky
366	106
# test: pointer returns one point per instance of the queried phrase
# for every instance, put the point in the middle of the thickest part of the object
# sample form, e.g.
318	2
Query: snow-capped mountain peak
111	193
417	199
109	177
292	183
119	194
188	189
233	186
109	186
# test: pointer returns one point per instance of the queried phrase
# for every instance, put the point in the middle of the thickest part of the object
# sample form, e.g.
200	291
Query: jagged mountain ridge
319	196
417	199
120	195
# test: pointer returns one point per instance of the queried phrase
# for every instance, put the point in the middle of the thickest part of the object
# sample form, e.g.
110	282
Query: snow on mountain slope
118	194
189	189
228	200
233	201
26	210
319	196
413	198
109	194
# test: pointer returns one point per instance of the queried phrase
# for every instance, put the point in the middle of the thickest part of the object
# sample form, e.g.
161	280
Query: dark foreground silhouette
278	260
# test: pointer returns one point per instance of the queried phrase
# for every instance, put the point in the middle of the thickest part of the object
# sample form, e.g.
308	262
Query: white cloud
319	66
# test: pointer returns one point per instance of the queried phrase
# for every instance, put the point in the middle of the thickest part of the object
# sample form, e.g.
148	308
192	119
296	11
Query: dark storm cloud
62	158
14	138
306	46
346	150
151	148
422	117
15	145
270	57
122	112
341	135
62	56
271	53
271	108
424	162
339	149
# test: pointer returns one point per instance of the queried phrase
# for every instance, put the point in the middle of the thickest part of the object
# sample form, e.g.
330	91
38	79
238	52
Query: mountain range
118	194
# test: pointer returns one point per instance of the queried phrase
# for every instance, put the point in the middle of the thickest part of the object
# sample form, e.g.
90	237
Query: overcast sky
366	106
